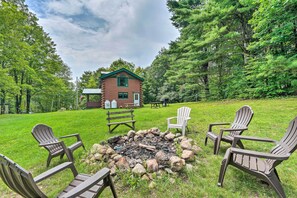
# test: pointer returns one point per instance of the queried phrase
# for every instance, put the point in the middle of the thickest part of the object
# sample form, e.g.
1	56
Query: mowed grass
271	118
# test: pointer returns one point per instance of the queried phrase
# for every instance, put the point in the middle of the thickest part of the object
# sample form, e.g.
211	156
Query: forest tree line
227	49
33	77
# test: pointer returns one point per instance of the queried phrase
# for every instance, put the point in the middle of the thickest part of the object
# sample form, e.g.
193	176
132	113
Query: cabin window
123	95
122	81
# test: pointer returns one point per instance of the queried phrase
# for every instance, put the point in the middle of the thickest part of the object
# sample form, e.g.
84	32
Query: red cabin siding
110	90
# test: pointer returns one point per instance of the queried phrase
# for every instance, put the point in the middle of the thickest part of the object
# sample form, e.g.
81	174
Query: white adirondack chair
183	115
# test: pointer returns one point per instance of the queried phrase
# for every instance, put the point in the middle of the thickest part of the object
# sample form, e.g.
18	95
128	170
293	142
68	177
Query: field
271	118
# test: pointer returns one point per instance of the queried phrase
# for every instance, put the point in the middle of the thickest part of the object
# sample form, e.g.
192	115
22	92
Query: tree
120	63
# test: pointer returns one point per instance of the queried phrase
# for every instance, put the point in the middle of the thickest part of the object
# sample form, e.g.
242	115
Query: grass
271	119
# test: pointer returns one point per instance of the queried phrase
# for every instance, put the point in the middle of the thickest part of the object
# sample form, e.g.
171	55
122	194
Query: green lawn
271	118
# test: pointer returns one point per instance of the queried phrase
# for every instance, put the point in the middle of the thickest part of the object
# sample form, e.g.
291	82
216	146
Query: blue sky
93	33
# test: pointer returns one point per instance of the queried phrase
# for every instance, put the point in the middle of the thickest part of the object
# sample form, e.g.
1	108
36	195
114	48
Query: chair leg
62	155
205	142
83	146
217	145
184	131
275	183
112	187
49	158
223	169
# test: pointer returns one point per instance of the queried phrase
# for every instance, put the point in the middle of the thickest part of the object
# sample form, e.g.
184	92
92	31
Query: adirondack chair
183	115
45	137
262	165
242	119
22	182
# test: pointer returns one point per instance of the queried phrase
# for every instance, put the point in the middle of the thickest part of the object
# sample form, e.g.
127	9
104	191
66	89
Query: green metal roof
119	71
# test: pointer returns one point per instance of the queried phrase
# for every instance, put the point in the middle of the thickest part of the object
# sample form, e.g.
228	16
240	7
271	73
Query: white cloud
93	33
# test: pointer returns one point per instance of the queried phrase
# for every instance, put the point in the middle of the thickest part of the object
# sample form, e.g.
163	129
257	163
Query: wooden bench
121	117
155	104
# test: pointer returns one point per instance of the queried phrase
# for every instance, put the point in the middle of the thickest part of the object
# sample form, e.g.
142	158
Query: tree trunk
205	80
28	101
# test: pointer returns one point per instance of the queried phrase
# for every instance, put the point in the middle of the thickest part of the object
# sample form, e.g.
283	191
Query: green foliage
34	76
120	63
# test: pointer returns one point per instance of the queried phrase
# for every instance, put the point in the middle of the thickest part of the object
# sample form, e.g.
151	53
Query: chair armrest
72	135
49	144
86	185
239	137
168	119
229	130
259	154
55	170
217	124
171	118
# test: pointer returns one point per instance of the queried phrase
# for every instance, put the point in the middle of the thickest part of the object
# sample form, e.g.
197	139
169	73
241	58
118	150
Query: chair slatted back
18	179
182	113
242	119
44	134
287	145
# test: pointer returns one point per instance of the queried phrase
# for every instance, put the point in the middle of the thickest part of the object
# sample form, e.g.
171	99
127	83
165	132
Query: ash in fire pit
144	151
144	145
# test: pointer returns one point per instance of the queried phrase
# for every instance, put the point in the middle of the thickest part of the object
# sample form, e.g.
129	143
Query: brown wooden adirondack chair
262	164
21	181
242	119
45	137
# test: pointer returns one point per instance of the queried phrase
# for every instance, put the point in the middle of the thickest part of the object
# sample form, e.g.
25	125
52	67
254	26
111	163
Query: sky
93	33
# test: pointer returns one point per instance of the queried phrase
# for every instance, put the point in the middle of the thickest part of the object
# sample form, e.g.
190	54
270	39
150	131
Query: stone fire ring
144	152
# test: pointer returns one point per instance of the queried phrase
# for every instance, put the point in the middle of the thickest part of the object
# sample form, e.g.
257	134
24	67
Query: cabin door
136	99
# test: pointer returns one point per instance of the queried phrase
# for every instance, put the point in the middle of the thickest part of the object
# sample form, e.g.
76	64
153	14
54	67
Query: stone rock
152	185
113	171
132	162
161	157
139	170
111	164
178	135
152	165
98	157
114	139
171	180
188	155
162	134
185	144
150	135
155	131
92	158
176	163
117	157
196	149
141	133
137	138
189	167
169	136
145	177
168	170
123	164
131	134
110	151
94	148
101	149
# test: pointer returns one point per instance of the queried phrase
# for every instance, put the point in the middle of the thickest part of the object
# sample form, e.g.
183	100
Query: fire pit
144	152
